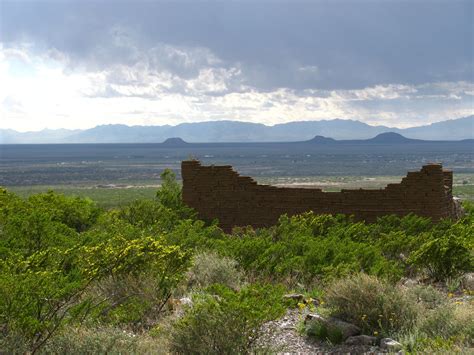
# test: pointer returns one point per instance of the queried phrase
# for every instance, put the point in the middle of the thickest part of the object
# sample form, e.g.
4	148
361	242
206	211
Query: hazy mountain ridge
235	131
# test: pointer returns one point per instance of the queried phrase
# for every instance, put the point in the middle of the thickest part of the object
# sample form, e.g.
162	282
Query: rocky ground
286	335
282	335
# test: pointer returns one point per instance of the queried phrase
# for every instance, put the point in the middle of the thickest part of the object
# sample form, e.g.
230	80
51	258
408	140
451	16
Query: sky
79	64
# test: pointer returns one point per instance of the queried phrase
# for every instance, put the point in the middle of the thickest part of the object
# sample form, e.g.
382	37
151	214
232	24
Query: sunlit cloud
42	90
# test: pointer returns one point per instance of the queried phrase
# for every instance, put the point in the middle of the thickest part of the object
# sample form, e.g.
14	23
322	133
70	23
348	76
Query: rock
361	340
313	317
346	329
468	281
294	296
390	344
187	301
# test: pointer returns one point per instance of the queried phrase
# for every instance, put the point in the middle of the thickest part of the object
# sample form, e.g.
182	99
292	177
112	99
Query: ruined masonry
220	192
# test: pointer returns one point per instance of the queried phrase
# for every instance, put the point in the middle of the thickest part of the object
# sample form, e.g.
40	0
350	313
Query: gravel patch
282	337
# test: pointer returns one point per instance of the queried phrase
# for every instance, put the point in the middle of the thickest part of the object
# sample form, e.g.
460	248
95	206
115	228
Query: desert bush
223	321
372	304
137	276
102	340
447	254
448	328
410	224
75	212
43	291
440	322
38	292
291	250
427	296
309	246
169	195
27	228
142	213
211	268
194	234
128	300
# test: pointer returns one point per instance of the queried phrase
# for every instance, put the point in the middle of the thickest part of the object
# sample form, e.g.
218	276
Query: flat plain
115	174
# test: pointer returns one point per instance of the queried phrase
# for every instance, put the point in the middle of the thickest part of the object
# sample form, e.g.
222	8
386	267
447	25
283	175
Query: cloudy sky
78	64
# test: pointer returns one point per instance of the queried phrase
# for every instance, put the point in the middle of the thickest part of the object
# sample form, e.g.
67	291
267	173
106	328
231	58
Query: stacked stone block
220	192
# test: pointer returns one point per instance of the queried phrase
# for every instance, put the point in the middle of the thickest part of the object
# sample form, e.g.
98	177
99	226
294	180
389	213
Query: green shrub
309	247
446	254
142	213
136	276
210	268
410	224
449	321
224	321
37	293
324	332
447	328
290	250
440	322
43	291
75	212
27	227
103	340
372	304
170	196
427	296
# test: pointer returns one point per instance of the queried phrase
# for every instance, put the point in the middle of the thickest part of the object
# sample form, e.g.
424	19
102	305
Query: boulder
347	329
310	317
390	344
361	340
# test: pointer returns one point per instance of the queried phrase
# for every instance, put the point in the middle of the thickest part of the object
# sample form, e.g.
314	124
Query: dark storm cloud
324	45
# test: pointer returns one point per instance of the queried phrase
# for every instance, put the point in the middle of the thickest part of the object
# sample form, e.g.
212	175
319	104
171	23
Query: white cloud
43	91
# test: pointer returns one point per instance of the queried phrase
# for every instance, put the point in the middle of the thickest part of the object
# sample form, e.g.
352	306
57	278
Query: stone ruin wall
220	192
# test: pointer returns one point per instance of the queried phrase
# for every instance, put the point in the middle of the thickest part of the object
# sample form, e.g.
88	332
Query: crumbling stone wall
220	192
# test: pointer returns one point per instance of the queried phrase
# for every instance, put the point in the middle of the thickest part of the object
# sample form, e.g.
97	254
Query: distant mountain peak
321	139
390	137
175	141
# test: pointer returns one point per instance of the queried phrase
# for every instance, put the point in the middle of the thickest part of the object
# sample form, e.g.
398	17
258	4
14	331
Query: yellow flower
376	333
450	295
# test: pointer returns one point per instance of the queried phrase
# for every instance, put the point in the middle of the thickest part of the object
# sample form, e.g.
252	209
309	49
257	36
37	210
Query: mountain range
236	131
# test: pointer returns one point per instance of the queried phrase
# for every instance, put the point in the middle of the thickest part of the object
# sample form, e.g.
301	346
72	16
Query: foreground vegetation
149	277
